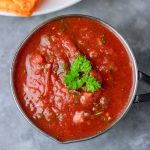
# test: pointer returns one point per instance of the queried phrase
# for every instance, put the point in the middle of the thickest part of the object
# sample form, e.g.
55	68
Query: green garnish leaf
91	84
81	65
78	76
103	40
59	116
98	113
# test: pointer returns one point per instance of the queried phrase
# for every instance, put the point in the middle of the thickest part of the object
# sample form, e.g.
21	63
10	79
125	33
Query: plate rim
42	12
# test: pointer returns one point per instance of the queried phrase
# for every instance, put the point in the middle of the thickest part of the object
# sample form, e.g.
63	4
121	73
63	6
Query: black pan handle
143	97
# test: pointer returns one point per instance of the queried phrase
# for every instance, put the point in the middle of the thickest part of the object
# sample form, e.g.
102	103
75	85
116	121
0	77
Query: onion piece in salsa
66	112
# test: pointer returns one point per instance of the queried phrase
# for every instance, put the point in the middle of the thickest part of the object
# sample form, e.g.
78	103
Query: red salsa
41	67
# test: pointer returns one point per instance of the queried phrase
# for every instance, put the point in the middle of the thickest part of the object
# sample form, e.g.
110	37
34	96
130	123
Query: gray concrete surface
132	19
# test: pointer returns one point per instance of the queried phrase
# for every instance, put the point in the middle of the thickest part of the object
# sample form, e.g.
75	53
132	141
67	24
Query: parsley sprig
78	77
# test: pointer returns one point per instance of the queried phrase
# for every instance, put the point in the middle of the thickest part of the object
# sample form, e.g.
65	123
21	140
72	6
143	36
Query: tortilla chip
20	7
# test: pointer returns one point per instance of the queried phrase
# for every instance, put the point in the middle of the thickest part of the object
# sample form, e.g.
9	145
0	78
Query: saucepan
137	76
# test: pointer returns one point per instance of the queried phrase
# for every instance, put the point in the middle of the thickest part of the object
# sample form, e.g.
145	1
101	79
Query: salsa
41	68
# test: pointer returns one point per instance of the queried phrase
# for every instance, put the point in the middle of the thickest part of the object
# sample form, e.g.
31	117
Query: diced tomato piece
78	117
86	99
36	59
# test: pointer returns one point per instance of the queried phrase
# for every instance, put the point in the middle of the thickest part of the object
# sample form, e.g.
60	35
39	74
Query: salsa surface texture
44	61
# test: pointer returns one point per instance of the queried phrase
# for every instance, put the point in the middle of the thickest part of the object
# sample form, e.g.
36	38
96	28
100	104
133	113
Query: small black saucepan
137	76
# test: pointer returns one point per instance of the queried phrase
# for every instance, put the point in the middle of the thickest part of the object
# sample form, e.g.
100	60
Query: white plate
48	6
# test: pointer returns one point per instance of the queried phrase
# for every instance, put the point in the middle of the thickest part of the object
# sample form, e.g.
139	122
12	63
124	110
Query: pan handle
143	97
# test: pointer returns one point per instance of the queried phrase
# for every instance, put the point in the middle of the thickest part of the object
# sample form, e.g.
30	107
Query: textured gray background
132	19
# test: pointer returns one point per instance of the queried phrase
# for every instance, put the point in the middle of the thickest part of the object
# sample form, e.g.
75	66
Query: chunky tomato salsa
73	78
